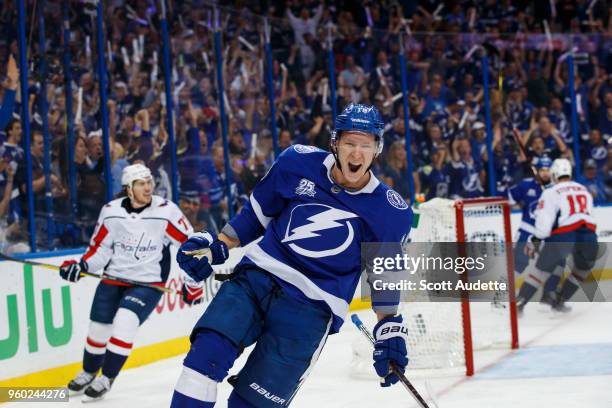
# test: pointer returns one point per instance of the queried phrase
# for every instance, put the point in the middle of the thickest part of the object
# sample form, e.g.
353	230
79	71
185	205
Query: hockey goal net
443	336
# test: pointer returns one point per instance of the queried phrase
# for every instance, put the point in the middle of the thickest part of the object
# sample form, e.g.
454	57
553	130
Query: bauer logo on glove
393	329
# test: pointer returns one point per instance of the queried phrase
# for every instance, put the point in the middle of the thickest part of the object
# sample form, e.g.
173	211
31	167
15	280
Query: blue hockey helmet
361	118
542	163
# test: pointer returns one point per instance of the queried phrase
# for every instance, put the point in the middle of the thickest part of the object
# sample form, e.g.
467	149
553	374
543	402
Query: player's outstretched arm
390	333
203	249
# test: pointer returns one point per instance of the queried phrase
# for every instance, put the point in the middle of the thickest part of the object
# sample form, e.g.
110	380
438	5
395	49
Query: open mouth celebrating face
354	168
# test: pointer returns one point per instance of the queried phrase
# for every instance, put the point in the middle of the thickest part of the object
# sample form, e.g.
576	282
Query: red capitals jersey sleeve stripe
102	233
175	233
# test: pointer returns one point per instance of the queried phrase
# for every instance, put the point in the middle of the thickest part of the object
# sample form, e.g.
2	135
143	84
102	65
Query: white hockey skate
98	388
78	384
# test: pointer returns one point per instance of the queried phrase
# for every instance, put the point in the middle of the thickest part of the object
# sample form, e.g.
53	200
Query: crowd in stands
527	44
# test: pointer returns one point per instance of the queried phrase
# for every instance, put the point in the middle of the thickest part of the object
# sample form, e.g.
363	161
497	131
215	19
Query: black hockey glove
71	270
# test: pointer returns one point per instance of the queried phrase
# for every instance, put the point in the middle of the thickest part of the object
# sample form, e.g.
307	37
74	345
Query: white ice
569	382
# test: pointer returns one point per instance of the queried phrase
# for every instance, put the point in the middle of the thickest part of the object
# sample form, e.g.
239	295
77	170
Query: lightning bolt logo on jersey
324	223
312	233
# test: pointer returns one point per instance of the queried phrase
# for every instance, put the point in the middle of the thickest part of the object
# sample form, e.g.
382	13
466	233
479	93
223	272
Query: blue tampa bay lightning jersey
313	229
526	194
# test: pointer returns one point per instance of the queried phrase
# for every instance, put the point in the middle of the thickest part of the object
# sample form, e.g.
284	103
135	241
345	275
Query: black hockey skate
98	388
80	382
548	298
560	307
548	301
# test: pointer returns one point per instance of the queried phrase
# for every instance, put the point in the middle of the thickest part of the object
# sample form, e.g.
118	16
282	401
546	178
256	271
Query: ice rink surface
564	361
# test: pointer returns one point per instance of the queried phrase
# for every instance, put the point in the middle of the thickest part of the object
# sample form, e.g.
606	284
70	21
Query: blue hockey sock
112	364
551	283
92	362
525	294
570	286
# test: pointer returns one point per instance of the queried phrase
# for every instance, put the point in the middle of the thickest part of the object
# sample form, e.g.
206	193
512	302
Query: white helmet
561	168
135	172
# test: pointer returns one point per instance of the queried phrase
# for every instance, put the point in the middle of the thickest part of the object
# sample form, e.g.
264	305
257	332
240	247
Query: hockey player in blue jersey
564	226
313	210
526	195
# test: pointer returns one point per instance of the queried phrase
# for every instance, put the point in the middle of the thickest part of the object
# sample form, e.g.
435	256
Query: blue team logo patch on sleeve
319	230
396	200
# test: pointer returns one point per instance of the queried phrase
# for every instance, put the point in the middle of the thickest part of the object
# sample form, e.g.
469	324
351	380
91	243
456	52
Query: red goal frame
460	205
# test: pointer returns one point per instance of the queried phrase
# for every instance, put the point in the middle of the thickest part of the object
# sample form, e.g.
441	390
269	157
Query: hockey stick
407	384
93	275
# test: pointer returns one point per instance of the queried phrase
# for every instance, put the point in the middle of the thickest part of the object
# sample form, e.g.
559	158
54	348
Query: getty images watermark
436	271
416	265
448	271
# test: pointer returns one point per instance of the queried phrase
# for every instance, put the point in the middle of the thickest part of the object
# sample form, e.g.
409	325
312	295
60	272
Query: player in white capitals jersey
564	222
131	240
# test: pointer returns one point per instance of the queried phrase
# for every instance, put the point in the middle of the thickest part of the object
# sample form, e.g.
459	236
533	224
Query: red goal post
460	207
444	335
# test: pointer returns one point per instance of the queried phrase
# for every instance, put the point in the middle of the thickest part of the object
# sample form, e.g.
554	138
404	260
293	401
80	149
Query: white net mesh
436	329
